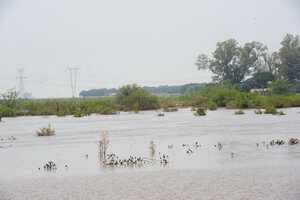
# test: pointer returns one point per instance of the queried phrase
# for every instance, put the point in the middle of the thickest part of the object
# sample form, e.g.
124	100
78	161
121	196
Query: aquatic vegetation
45	131
50	166
212	106
78	114
103	145
293	141
239	112
281	113
164	159
271	110
189	151
220	146
12	138
279	142
152	148
197	145
258	112
200	112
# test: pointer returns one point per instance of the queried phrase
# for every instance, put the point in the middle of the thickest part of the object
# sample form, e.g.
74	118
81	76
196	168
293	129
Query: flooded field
246	167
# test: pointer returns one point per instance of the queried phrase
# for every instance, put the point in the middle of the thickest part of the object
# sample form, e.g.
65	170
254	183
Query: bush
212	106
271	110
130	96
281	86
200	112
258	111
278	101
45	131
7	112
224	96
239	112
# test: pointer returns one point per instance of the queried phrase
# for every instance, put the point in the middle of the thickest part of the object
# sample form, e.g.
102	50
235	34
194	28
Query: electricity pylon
73	72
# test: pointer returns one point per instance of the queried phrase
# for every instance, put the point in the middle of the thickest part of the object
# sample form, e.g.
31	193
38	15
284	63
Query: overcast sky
116	42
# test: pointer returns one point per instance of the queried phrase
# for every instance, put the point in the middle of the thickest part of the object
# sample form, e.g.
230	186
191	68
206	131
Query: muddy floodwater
241	169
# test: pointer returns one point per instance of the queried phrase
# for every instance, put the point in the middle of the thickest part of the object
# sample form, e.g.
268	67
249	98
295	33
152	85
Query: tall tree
290	58
231	62
272	63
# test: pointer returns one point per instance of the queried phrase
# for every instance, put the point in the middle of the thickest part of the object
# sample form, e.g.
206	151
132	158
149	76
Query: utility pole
73	72
21	78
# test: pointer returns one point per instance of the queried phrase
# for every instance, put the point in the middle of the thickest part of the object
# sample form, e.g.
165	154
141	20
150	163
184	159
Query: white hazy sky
116	42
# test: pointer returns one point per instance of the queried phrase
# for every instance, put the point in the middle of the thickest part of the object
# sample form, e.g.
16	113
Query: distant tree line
252	66
165	89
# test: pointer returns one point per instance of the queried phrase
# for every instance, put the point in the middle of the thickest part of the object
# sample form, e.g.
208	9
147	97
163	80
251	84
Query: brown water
253	173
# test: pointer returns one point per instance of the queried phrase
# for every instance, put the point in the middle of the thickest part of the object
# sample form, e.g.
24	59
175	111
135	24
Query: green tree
10	98
231	62
125	91
290	58
281	86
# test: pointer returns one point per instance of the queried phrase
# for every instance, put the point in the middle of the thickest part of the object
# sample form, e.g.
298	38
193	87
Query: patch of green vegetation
258	112
281	113
212	106
161	114
239	112
271	110
200	112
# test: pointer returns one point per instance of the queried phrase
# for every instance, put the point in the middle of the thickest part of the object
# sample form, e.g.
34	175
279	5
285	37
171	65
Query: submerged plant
45	131
239	112
271	110
200	112
258	112
152	149
103	145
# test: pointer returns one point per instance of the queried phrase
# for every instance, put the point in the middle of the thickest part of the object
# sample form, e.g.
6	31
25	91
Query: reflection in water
231	156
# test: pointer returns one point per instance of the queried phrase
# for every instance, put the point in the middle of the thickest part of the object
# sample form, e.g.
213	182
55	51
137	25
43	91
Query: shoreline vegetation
134	98
275	75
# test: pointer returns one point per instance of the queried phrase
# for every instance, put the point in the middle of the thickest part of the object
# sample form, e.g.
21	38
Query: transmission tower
73	72
21	78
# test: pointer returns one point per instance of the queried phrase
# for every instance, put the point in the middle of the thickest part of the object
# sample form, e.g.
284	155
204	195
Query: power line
73	72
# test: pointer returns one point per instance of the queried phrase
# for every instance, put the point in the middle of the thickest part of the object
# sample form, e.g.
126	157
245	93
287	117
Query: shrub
7	112
239	112
212	106
281	113
278	101
258	111
141	98
78	114
45	131
271	110
281	86
200	112
223	96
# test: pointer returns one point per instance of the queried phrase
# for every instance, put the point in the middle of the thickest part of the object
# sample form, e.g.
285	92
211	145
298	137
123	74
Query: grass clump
271	110
212	106
258	112
239	112
161	114
45	131
281	113
200	112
